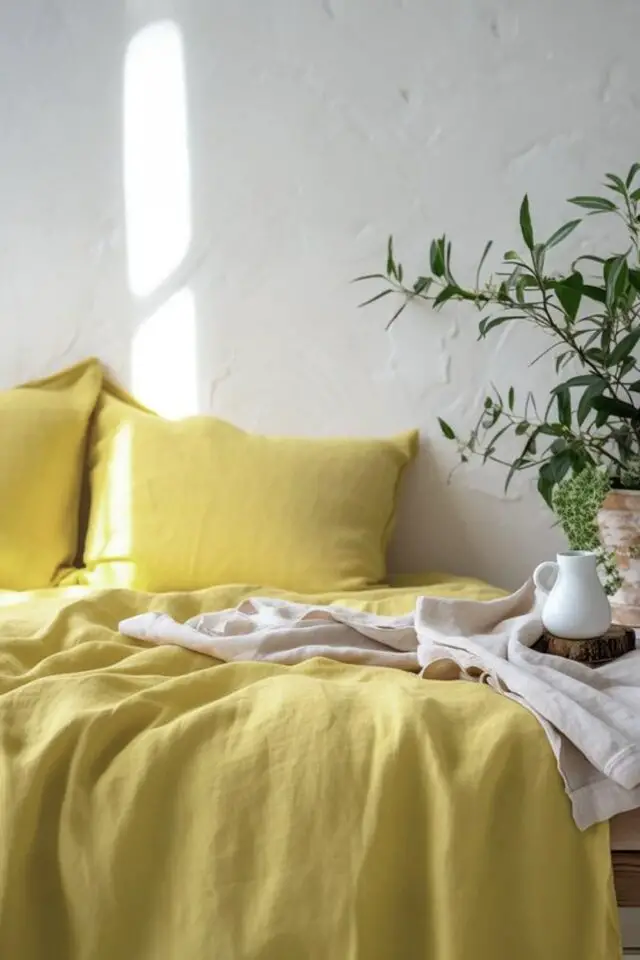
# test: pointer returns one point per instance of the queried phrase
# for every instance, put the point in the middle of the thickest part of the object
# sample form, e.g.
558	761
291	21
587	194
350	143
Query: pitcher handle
545	576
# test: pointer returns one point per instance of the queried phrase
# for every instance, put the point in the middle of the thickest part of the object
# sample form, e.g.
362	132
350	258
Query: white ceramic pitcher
576	607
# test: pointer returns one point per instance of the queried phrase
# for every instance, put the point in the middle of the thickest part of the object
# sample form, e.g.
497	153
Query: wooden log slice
613	644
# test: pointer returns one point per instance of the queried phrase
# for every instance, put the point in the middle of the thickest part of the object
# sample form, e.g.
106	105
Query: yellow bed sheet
156	804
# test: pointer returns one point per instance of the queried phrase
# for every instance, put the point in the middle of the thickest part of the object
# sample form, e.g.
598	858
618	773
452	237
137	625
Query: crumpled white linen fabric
591	717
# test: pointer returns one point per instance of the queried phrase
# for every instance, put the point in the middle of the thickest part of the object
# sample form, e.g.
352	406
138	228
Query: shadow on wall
440	522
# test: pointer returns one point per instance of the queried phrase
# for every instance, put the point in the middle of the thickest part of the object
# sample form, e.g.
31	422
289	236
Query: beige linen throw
591	717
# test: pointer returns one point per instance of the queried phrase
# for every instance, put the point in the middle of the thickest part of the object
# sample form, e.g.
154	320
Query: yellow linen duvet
157	805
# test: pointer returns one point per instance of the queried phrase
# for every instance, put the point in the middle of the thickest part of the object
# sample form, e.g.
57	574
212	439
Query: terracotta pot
619	522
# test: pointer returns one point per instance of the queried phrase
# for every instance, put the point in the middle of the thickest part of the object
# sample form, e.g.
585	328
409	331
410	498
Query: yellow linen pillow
43	431
182	505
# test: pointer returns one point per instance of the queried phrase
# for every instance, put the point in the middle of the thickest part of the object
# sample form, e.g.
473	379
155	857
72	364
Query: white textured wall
316	127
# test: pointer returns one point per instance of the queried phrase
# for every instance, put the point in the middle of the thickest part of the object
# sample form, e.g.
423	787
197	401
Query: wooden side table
626	876
625	829
625	843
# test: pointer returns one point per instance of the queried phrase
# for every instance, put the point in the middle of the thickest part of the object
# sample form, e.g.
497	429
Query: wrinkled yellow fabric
189	503
157	804
43	432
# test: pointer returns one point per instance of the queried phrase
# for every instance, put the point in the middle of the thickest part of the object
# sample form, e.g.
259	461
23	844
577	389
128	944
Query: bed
158	804
155	803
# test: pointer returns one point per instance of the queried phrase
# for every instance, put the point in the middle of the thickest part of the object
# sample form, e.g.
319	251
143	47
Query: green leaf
446	429
422	284
617	276
482	324
482	260
605	343
594	389
547	481
494	439
436	257
583	380
369	276
545	489
511	398
551	429
531	444
624	348
634	279
581	458
635	387
538	257
594	293
595	354
517	464
511	255
524	283
596	204
488	323
491	418
587	256
559	446
615	183
562	233
569	292
446	245
503	294
564	406
391	265
525	222
378	296
560	464
403	306
635	195
522	428
560	359
632	173
447	293
622	280
592	336
499	401
616	408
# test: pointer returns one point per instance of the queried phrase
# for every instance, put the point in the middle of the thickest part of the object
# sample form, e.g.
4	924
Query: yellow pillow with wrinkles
183	505
43	430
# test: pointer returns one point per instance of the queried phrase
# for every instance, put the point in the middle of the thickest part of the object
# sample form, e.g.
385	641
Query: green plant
576	501
630	476
590	312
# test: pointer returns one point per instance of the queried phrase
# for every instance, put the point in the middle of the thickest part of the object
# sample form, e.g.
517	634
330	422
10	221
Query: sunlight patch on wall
156	156
158	213
163	358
